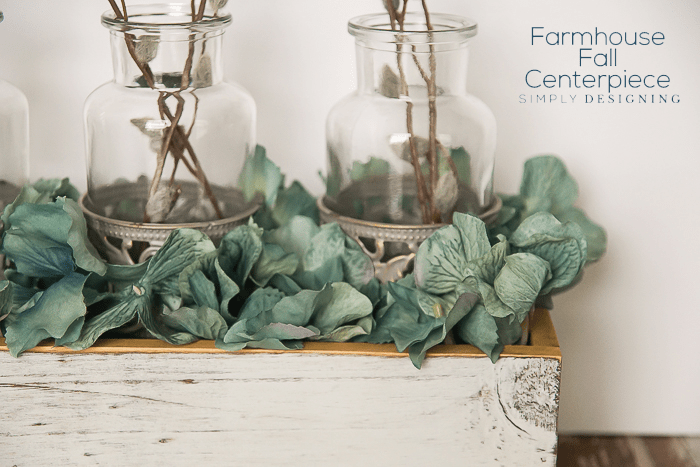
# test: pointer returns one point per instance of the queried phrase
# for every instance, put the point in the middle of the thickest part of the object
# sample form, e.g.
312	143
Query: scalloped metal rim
395	232
150	232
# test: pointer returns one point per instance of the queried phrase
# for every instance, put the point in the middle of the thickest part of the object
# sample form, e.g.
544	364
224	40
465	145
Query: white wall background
630	332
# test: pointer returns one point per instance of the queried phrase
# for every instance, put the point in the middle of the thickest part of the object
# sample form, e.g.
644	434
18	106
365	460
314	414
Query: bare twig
145	69
126	15
165	147
392	14
200	13
176	139
424	199
180	137
403	11
427	16
117	12
423	74
194	116
432	106
432	112
421	189
186	73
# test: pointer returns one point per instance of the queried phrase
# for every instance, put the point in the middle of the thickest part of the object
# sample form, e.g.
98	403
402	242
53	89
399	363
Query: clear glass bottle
167	137
14	141
410	145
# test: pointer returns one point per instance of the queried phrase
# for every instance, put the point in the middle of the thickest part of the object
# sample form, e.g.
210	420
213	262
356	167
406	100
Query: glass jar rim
161	17
446	28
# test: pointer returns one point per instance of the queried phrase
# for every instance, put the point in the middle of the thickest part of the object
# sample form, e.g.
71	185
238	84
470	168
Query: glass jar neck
406	71
166	46
169	60
396	56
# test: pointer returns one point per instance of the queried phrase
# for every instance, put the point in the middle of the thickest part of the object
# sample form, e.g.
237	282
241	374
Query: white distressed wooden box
147	403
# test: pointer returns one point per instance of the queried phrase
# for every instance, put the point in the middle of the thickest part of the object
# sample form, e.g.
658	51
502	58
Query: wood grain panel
144	402
286	409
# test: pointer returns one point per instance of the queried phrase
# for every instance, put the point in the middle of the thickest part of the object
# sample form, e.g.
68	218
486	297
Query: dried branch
392	14
145	69
180	138
432	109
126	15
200	13
176	139
165	147
117	12
424	196
403	11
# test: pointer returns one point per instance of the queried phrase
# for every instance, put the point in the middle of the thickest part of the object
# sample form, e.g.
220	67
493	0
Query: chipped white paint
283	409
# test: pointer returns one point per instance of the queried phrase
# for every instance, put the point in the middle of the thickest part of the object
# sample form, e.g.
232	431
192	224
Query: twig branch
432	111
403	11
423	74
145	69
126	15
165	147
200	13
424	198
180	137
117	12
194	116
176	139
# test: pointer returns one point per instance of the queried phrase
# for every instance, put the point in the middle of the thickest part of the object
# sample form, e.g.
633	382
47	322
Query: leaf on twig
202	74
389	84
395	3
153	129
403	149
162	202
146	48
217	4
446	193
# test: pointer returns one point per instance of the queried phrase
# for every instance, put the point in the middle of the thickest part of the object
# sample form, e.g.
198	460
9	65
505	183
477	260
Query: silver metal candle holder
391	246
125	242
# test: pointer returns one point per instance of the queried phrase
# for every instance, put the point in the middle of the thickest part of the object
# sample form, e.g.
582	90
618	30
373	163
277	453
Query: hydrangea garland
283	279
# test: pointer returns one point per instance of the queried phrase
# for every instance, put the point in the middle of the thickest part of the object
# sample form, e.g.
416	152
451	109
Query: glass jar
14	141
167	138
410	145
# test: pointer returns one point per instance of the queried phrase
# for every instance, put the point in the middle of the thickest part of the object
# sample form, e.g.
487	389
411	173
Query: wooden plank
145	402
262	409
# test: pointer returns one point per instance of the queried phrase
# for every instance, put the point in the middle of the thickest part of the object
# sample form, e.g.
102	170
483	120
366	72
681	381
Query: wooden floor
628	451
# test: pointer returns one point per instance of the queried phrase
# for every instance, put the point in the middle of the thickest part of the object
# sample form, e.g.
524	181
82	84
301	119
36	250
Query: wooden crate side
260	409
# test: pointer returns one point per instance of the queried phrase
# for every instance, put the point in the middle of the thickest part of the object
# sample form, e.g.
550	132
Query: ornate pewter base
391	247
125	242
